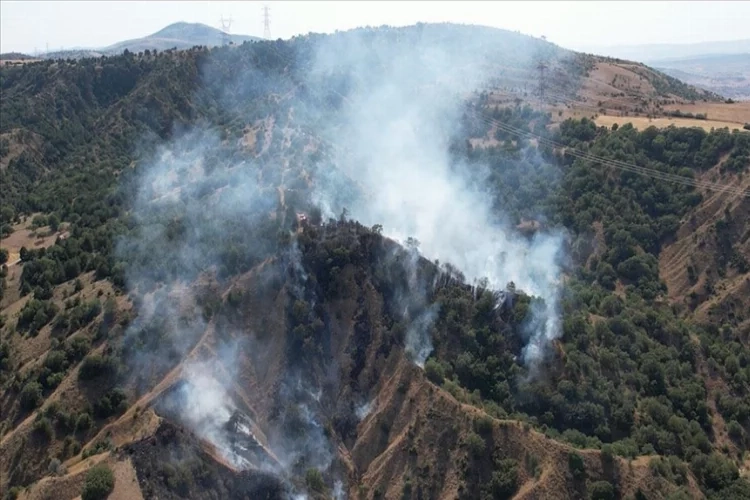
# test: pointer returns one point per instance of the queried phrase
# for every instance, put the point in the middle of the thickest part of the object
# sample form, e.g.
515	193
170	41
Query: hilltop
369	265
180	36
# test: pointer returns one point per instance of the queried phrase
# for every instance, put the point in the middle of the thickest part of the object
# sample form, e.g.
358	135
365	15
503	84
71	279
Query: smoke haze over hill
394	169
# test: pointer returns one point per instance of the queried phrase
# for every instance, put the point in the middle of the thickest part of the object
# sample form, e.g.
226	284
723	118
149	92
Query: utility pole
226	25
266	22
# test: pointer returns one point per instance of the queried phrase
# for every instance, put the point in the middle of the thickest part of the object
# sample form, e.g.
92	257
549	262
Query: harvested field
739	112
642	122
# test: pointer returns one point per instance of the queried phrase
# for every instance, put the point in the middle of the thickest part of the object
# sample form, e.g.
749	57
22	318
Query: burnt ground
173	464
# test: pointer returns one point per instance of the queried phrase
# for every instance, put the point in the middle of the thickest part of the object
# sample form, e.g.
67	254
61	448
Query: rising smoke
390	138
399	122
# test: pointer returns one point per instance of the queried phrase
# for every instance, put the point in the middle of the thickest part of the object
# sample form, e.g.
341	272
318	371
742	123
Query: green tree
98	484
31	395
476	444
7	214
576	465
314	480
54	222
504	480
602	490
434	371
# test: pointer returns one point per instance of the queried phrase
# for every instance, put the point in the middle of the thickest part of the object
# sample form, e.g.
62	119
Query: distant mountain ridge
650	53
725	74
15	55
180	35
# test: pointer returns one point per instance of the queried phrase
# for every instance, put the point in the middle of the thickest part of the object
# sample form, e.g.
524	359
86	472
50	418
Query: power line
647	171
621	165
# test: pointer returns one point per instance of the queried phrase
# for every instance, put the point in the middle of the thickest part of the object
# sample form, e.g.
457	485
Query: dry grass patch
642	122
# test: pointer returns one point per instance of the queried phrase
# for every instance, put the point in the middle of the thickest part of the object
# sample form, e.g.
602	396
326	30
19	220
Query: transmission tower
542	67
266	22
226	25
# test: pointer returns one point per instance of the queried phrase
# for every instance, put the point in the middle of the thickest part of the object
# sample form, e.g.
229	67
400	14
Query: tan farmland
642	122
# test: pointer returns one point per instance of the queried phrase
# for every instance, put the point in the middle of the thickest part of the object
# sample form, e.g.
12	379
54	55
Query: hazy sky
26	24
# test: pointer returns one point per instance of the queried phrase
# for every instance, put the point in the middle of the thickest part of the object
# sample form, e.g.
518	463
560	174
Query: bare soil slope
700	267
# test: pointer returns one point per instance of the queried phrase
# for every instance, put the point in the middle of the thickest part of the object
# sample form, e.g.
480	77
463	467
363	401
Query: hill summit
179	35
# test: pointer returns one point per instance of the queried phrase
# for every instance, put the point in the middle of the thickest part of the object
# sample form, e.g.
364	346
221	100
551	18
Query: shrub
602	490
99	483
475	443
77	348
56	361
31	395
38	221
407	489
735	431
84	422
113	402
97	448
71	447
314	480
576	465
43	428
483	424
714	471
53	380
36	313
504	480
55	467
95	366
434	371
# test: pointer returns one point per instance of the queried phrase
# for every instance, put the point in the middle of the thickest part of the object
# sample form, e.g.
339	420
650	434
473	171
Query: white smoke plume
338	490
418	342
391	138
363	410
396	131
205	406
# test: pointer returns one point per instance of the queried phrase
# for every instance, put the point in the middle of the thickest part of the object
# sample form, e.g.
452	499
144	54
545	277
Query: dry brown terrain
623	93
24	236
17	62
695	247
414	429
738	112
642	122
608	80
720	115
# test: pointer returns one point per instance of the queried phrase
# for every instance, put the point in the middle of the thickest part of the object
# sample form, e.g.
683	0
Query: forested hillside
255	271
